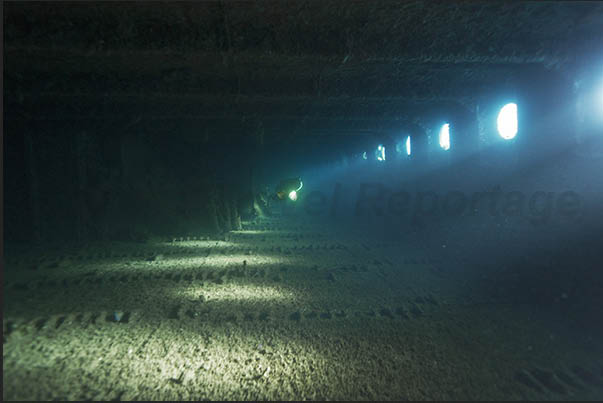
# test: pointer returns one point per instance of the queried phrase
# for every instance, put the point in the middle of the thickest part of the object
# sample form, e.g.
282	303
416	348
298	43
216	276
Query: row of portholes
506	124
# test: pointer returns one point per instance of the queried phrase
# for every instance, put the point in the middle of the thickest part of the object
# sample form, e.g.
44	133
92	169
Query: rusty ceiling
306	67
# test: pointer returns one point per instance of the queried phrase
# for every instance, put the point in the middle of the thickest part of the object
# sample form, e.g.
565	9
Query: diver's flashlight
293	195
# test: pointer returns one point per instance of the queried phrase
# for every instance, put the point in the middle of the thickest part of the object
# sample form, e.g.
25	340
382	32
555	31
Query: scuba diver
288	188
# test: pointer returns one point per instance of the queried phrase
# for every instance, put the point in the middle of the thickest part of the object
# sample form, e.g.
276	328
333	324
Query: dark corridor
265	200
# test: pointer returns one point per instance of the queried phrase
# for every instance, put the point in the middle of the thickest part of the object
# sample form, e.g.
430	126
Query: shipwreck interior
269	200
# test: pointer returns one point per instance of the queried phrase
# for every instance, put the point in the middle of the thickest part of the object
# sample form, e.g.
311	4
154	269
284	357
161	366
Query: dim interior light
445	136
507	121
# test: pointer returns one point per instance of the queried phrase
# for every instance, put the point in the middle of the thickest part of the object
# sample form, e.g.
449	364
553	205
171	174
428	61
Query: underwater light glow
364	155
408	145
380	153
237	292
507	121
293	195
445	136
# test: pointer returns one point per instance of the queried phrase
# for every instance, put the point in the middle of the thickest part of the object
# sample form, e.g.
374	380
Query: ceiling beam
245	109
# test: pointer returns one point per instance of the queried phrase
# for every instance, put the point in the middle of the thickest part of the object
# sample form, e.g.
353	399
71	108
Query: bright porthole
507	121
445	136
380	153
